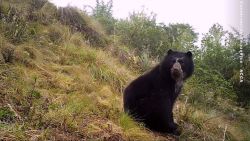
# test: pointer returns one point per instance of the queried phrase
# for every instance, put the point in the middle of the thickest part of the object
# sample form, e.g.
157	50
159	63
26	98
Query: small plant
77	39
126	122
15	26
47	14
34	93
55	34
38	4
6	114
7	53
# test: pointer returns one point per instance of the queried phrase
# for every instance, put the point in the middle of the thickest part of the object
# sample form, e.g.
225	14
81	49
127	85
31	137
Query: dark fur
150	98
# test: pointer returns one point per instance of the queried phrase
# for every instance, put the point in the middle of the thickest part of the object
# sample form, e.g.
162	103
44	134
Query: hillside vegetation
62	74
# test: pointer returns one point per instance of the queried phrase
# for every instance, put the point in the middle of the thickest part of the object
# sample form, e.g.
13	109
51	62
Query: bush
26	55
142	33
208	89
6	114
55	34
37	4
7	53
72	17
15	26
103	14
46	14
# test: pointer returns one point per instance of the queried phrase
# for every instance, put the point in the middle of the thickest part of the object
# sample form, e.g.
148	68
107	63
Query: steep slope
64	92
54	86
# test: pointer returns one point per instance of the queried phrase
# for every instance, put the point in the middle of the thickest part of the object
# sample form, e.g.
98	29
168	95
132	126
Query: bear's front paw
177	132
173	129
173	126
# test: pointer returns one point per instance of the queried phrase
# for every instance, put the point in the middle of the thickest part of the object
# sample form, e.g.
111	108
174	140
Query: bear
150	98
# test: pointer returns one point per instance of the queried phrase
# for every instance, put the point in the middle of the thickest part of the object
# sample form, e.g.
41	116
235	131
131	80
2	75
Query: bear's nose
176	70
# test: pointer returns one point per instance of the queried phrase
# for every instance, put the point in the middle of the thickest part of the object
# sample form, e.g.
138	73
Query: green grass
6	114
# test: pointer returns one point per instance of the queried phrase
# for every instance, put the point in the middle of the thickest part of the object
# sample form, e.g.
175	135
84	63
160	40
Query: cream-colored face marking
177	75
176	70
177	59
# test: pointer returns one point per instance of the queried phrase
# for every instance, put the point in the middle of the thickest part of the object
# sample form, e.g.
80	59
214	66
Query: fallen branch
224	136
16	114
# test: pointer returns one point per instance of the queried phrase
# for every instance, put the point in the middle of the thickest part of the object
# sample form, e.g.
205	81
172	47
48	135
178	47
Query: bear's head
177	65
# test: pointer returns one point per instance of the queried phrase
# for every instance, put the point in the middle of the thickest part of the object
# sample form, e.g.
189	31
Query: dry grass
67	90
70	91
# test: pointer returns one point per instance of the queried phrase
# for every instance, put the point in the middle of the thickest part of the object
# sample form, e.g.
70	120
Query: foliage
46	14
207	88
15	27
223	49
181	37
56	33
6	114
142	33
37	4
103	13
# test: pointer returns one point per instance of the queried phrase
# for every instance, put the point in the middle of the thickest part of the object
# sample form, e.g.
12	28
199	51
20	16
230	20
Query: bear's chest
167	93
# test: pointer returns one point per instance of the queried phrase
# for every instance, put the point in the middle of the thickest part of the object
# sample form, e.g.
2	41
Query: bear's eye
181	61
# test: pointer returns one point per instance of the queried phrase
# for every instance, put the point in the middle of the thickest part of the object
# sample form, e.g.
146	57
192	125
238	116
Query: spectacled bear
150	98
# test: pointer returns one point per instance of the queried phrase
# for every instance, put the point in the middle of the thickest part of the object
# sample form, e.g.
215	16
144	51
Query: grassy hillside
61	78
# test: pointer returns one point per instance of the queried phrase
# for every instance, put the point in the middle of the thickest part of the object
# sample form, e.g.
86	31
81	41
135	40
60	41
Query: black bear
150	98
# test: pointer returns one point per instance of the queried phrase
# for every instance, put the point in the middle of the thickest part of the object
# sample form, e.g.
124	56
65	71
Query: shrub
77	39
46	14
6	114
7	53
37	4
15	27
55	34
207	89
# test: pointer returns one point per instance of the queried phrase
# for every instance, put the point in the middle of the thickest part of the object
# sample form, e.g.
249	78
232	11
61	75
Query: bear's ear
189	54
170	51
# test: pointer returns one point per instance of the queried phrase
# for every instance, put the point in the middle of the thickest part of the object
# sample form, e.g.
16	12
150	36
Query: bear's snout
176	71
176	74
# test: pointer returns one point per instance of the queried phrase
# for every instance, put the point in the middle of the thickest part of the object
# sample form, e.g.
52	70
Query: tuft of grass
15	26
37	4
58	33
77	40
6	114
126	122
45	14
12	132
65	111
133	130
7	53
26	55
77	55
